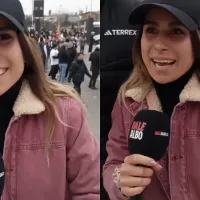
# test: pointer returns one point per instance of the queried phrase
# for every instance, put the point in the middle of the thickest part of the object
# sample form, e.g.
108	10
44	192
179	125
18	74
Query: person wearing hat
95	65
45	139
166	78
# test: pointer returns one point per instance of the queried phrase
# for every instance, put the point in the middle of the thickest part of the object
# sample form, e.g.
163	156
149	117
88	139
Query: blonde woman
48	149
166	78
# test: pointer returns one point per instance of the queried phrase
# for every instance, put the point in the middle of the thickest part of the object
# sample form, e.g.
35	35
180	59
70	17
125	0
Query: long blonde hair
41	86
140	74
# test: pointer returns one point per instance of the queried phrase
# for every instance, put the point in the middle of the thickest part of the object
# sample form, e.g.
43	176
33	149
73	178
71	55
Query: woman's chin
162	80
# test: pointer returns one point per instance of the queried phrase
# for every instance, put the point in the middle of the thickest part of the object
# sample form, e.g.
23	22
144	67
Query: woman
46	143
63	60
166	78
77	72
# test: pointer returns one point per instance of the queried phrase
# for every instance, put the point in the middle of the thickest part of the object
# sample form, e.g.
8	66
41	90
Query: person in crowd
82	42
63	62
53	42
74	42
65	33
77	36
54	62
91	42
77	72
47	51
46	142
66	43
41	44
95	67
166	78
71	55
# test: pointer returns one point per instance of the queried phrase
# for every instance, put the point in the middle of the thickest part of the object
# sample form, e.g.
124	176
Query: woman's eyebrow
149	22
7	28
174	23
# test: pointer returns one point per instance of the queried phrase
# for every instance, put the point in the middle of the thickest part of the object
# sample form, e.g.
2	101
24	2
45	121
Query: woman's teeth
2	71
159	63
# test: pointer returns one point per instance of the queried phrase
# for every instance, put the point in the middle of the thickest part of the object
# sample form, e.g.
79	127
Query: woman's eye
5	37
151	30
177	31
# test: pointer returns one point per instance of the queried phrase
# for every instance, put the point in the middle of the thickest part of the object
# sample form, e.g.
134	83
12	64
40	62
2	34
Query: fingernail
159	166
153	163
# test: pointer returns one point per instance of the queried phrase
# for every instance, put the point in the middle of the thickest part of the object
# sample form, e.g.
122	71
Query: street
91	98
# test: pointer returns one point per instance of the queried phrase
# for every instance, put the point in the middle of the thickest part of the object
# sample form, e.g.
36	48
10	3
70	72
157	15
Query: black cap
13	11
186	11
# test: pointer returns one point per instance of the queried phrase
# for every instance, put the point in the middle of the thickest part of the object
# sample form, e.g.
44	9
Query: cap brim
138	15
14	22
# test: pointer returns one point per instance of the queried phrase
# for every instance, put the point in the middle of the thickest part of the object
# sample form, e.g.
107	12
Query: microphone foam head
149	134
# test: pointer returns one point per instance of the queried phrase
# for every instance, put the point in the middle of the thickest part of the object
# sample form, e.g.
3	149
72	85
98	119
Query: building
94	15
90	21
74	18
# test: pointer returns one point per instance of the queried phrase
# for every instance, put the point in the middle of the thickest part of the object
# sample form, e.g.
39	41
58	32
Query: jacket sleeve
83	157
87	72
90	58
117	149
51	54
59	55
71	71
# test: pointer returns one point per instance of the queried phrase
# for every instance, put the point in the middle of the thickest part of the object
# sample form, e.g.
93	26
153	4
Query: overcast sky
67	5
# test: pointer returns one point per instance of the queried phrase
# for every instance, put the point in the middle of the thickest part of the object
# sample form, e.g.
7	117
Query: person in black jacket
63	62
41	44
77	72
91	42
71	53
95	62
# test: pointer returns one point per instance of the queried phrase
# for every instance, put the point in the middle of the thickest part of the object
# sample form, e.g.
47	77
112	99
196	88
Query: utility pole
91	6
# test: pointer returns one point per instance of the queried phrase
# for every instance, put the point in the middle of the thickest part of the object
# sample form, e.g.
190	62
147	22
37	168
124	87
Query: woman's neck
169	93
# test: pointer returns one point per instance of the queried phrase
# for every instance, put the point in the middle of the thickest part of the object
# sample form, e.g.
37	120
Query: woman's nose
160	43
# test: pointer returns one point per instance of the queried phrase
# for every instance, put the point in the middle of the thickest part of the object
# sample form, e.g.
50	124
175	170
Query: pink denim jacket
180	177
72	170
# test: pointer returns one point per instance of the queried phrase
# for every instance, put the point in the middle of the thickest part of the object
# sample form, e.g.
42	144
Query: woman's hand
136	173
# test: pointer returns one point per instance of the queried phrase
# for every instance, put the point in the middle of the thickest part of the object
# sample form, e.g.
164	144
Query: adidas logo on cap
120	32
108	33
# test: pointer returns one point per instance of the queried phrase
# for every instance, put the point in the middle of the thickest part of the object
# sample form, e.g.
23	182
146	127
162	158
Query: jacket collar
191	92
27	103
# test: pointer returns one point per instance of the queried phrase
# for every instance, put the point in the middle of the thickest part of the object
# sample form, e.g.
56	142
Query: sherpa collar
27	102
191	92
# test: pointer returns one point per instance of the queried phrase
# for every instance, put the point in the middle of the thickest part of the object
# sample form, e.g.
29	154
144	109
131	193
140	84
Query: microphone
149	136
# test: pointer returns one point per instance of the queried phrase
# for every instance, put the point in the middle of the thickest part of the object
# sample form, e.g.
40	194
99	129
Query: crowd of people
63	53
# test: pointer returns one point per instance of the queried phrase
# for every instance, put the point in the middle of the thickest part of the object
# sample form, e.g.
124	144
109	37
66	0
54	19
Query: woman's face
11	56
166	46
